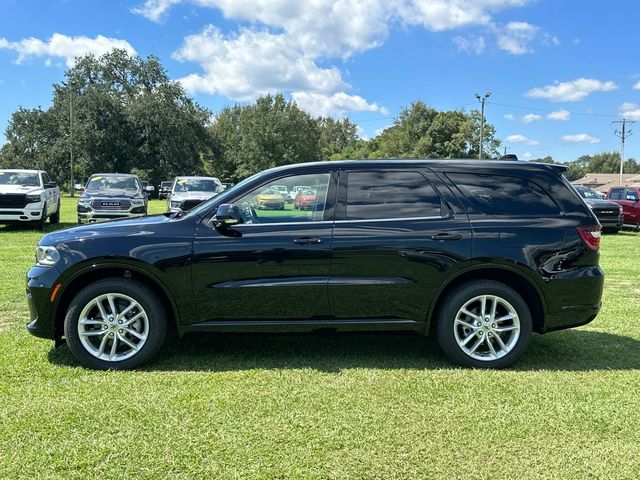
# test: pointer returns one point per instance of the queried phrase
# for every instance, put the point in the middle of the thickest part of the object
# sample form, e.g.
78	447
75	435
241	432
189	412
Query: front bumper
89	215
40	282
29	213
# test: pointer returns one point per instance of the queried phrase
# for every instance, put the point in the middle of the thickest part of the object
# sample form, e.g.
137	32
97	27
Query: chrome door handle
444	237
307	241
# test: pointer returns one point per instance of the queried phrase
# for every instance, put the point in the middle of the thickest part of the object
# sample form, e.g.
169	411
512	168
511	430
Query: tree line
129	116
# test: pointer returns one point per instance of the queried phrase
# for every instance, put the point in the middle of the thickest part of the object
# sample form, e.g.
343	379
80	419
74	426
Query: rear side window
377	195
616	194
631	195
503	195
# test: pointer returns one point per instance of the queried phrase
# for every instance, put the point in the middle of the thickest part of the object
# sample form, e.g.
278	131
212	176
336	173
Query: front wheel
115	324
55	218
484	324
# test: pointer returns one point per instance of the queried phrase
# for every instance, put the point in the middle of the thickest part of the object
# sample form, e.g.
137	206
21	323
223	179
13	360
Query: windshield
112	182
196	185
24	179
166	184
220	199
588	193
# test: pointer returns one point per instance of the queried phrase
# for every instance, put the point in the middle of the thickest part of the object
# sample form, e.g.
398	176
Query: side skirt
289	326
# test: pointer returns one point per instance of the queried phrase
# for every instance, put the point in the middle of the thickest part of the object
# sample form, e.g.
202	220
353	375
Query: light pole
481	100
70	87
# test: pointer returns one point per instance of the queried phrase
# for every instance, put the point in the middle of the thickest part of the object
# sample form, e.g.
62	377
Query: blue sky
559	72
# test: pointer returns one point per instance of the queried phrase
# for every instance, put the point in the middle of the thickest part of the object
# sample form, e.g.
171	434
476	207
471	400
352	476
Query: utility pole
623	133
481	100
73	186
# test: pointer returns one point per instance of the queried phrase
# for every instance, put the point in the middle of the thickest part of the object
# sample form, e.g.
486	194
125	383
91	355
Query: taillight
591	236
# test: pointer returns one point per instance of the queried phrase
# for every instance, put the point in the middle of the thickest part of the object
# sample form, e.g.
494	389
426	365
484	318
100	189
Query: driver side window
300	198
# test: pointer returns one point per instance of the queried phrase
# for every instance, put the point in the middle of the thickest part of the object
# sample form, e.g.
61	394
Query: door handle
307	241
444	237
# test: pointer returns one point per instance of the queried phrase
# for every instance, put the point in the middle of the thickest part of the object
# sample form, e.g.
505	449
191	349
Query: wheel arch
511	277
98	271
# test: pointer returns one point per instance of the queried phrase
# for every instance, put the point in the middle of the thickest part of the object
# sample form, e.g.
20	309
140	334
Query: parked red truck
629	199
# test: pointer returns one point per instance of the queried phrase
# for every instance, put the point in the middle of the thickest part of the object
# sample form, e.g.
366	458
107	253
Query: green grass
367	406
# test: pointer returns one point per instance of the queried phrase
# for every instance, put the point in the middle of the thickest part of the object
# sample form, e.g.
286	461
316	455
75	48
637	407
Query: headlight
47	256
137	201
33	198
86	202
175	203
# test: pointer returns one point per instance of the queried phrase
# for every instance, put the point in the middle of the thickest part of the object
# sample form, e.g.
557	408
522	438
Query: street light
481	100
70	87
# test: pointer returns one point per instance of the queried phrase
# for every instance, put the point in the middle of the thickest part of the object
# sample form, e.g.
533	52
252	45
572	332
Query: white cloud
531	117
572	91
289	45
563	115
630	111
470	44
337	104
580	137
636	86
518	138
516	37
527	155
63	46
508	116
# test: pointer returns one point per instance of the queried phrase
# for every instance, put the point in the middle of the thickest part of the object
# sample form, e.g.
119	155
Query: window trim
341	207
329	210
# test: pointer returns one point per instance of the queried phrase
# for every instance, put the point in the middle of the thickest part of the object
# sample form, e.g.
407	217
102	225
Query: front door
274	266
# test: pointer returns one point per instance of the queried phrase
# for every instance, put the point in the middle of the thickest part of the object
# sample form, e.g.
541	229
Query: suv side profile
480	254
629	199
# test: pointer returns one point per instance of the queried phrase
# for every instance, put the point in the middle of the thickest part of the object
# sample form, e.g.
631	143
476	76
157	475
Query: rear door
631	207
395	241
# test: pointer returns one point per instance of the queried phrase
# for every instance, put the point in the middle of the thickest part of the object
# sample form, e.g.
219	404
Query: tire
43	218
55	218
453	327
150	325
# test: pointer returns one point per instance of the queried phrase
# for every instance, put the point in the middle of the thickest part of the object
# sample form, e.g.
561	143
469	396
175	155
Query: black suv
479	253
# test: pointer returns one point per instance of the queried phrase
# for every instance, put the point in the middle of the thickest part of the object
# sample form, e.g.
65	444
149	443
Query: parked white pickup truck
28	196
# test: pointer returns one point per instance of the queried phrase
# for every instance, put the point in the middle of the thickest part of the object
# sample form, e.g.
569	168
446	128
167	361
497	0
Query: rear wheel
484	324
115	324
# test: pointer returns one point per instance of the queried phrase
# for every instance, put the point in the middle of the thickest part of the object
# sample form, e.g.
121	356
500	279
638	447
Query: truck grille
110	204
611	213
189	204
13	200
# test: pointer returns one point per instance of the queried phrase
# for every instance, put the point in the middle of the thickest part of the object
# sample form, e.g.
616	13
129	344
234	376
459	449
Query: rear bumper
574	298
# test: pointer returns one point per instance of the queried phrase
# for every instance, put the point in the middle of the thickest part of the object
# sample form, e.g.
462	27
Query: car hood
122	227
13	189
111	193
601	203
270	196
192	195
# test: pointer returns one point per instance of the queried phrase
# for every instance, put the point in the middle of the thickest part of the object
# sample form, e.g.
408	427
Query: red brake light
591	237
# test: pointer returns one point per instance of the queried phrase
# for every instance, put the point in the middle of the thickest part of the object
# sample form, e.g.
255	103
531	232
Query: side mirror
150	188
227	215
78	187
50	185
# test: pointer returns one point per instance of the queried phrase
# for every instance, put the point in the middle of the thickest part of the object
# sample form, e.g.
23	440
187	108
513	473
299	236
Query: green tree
268	133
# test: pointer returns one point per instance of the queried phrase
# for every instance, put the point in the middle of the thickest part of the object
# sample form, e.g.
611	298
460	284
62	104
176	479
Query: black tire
445	327
55	218
40	223
148	300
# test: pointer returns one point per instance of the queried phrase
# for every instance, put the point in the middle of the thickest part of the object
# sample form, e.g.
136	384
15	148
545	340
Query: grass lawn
368	406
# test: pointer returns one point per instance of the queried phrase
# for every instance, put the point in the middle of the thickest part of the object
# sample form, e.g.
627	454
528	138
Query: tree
127	114
336	136
268	133
421	131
